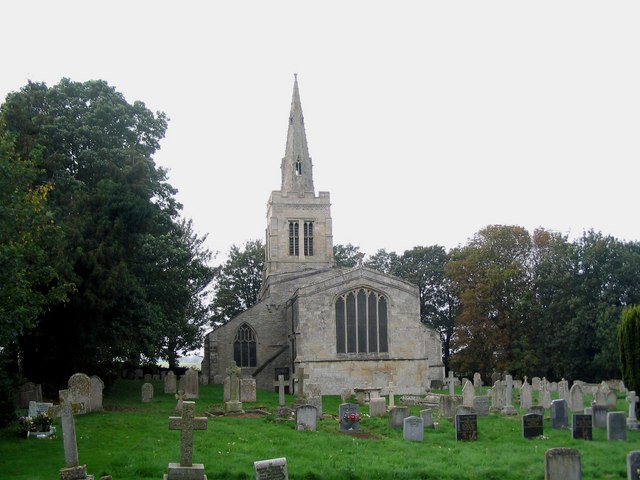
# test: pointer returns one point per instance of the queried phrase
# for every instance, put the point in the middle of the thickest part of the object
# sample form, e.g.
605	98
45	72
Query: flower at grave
43	422
25	424
352	417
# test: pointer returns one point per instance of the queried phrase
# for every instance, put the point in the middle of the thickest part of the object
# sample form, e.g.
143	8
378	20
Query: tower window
294	239
298	167
244	347
308	239
361	322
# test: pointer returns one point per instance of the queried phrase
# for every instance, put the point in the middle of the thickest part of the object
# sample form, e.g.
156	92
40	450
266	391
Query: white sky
425	120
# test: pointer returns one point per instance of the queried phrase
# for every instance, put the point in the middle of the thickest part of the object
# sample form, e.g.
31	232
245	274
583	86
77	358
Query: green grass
131	440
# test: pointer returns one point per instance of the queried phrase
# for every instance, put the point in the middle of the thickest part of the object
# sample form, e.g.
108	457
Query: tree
383	261
238	282
629	344
347	255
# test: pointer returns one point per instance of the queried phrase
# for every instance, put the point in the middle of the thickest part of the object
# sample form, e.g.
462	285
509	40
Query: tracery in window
244	347
361	322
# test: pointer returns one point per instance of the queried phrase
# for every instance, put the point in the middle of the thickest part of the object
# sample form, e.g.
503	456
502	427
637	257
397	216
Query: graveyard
134	438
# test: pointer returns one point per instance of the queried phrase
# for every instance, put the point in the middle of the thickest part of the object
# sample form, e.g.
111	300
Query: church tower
299	233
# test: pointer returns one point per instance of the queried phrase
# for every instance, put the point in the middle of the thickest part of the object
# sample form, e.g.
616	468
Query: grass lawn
131	440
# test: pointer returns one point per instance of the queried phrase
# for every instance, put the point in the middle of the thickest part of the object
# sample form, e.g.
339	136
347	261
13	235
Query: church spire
297	175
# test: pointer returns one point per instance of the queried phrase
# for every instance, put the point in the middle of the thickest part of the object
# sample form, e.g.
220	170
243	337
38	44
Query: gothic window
244	347
308	239
298	167
361	322
294	243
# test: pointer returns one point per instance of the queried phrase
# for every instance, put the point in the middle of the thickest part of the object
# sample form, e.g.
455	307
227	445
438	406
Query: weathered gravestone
306	416
191	385
477	382
532	426
274	469
599	413
35	408
633	465
397	416
616	426
280	384
72	470
29	392
248	389
170	384
576	400
582	427
299	379
451	382
632	420
187	423
526	396
563	389
559	413
413	429
95	399
539	409
392	396
562	464
466	426
314	397
508	398
427	418
612	400
468	394
80	390
449	404
349	414
481	405
234	405
147	392
536	384
544	399
498	396
377	407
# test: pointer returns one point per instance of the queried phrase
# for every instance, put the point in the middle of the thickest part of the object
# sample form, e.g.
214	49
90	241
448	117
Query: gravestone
170	384
536	384
616	426
599	413
377	407
532	426
495	376
306	416
633	465
632	420
36	408
582	427
187	423
397	416
80	390
191	385
559	414
481	405
299	379
539	409
427	418
600	397
234	405
247	389
466	427
612	400
72	470
449	404
392	398
468	394
508	398
526	396
95	399
477	382
413	429
563	389
451	383
497	396
274	469
29	392
576	400
349	414
280	384
147	392
148	377
562	464
316	401
544	399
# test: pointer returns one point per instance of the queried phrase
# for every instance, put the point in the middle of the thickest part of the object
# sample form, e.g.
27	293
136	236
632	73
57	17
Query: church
346	327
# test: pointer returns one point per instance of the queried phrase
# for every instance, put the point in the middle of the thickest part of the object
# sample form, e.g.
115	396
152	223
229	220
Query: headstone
532	426
562	464
29	392
576	400
600	397
477	382
233	405
397	416
612	400
187	423
413	429
468	394
481	405
466	427
495	376
632	420
449	404
582	427
274	469
147	392
349	414
599	413
314	397
299	379
539	409
72	469
633	465
192	385
508	402
36	408
536	384
392	398
526	396
280	384
306	416
247	389
427	418
95	399
559	413
170	386
138	374
563	389
377	407
616	426
544	399
148	377
80	389
497	396
451	383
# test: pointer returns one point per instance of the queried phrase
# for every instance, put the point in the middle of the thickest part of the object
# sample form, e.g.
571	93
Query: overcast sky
426	121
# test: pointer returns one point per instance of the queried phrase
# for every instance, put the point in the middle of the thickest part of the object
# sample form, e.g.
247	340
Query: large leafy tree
111	202
629	344
347	255
238	281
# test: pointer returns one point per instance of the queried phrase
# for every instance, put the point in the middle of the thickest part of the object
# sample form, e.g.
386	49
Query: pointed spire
297	175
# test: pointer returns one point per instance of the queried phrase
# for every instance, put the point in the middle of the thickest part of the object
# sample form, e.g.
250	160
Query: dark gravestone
532	425
582	427
633	465
616	426
466	427
397	416
559	414
349	417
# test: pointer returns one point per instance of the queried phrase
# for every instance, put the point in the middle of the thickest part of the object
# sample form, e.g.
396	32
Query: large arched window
361	322
244	347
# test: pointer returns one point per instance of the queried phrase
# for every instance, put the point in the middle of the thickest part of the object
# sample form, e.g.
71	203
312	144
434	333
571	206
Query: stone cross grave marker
392	398
187	423
508	397
632	420
582	427
280	384
234	404
300	377
274	469
180	398
562	464
532	426
451	382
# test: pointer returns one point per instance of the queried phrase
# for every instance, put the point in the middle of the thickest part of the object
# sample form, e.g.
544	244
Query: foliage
347	255
383	261
629	344
238	281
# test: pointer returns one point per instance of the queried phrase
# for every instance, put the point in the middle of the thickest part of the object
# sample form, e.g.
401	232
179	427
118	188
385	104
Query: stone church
347	327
